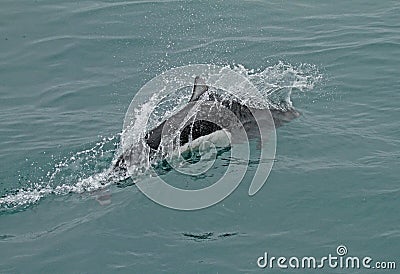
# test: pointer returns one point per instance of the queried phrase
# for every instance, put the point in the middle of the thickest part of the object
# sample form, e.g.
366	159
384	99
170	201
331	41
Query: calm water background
68	71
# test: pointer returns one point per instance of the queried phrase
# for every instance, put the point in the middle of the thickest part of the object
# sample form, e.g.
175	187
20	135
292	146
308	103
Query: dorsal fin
198	89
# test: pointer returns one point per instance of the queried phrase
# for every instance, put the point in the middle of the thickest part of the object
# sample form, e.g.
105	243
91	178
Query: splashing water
84	171
88	170
277	82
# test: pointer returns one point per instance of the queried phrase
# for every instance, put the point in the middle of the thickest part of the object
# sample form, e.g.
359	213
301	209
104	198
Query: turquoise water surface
69	70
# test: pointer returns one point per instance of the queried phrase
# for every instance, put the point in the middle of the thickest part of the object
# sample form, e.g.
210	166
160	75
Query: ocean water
69	70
